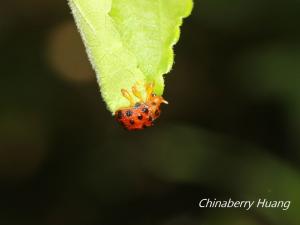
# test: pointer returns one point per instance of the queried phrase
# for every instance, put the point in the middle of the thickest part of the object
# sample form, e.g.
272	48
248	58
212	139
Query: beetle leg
126	94
137	93
149	90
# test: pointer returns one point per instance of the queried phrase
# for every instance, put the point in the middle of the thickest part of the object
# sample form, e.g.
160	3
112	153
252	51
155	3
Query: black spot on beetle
131	121
129	113
137	105
150	118
119	115
140	117
145	110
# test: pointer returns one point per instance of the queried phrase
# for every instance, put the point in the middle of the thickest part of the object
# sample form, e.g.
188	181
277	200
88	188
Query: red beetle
141	114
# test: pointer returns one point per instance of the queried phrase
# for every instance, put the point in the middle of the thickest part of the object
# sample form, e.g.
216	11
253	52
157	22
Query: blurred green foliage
231	129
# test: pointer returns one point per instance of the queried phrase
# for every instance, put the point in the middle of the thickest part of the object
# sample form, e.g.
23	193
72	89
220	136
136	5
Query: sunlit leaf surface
129	41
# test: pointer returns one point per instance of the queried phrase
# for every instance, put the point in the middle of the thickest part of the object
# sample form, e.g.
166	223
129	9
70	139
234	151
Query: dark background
231	129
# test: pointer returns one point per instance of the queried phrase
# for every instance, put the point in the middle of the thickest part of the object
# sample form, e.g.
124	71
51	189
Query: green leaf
129	41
